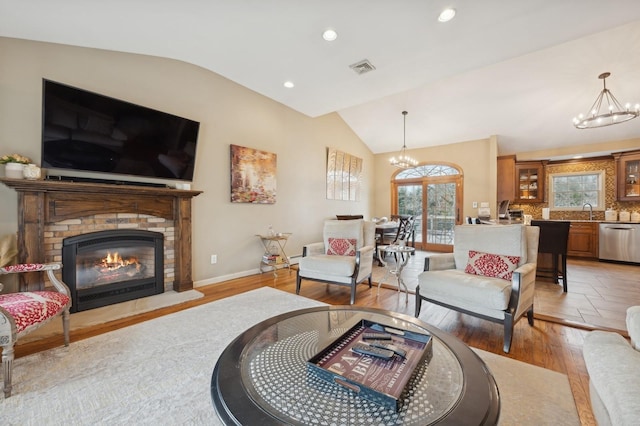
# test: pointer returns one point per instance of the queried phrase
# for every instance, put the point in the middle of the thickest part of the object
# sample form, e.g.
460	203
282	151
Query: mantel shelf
97	188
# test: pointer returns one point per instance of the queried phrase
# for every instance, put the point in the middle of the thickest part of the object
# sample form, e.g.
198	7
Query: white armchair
613	364
490	274
344	257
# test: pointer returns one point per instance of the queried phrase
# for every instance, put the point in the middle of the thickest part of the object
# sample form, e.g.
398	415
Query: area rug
159	372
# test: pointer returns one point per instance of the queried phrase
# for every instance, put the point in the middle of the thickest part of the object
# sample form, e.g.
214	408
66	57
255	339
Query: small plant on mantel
14	158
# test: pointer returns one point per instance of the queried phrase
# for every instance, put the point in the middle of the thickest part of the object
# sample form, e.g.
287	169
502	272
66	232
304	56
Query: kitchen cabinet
583	239
628	178
529	182
506	178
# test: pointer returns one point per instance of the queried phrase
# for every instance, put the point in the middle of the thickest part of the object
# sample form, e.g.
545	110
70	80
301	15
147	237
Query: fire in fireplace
107	267
111	268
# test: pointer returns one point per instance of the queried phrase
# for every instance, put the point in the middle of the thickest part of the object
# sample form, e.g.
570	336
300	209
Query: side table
403	252
274	256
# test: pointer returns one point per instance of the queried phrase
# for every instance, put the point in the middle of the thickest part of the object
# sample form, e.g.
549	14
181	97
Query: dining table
385	228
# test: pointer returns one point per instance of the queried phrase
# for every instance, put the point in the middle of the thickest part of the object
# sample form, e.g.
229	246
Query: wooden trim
41	202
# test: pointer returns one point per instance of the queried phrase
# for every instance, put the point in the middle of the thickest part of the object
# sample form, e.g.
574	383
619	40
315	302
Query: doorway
432	194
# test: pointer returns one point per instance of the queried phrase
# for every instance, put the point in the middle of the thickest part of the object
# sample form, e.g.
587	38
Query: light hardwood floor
547	344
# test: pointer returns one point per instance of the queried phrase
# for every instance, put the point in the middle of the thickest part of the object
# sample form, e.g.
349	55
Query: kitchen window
571	191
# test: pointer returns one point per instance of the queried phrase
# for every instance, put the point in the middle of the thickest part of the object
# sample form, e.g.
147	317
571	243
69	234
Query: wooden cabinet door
529	184
583	240
628	175
506	178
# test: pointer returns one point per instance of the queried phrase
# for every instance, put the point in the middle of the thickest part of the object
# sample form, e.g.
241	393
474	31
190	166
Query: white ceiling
517	69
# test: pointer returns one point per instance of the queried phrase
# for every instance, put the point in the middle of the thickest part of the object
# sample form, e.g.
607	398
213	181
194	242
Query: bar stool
554	237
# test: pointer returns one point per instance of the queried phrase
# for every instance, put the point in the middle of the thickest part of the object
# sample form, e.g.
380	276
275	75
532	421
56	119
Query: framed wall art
343	176
253	176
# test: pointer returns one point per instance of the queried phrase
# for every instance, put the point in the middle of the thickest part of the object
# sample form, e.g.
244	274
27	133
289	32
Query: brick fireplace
50	211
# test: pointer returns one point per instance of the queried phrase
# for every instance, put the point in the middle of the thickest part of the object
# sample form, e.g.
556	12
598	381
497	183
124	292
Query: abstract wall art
253	176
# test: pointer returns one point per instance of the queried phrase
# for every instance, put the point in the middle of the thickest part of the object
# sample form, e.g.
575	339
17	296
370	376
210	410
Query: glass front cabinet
529	182
628	169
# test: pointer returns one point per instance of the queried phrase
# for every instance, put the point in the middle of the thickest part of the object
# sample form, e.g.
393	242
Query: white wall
228	113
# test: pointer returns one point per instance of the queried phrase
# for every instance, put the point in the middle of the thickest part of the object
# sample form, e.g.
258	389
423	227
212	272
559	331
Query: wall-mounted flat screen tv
84	131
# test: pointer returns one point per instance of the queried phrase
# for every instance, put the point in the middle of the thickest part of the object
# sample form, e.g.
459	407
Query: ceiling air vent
362	67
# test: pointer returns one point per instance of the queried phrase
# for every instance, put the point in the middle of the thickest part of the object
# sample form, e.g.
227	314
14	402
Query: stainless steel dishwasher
619	242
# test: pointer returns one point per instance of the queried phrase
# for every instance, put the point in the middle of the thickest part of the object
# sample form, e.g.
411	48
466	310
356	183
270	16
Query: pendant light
403	161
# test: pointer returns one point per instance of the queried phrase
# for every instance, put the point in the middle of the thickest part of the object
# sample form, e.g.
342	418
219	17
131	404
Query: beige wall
477	159
228	113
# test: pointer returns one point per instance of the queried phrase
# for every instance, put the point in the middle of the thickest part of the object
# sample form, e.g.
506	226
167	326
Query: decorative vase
31	172
13	170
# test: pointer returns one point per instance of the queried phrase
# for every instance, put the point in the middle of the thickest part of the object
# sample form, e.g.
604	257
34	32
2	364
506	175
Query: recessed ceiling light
329	34
289	84
447	15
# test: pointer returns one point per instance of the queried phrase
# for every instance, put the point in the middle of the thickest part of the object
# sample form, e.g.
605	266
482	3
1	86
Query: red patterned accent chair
491	274
23	312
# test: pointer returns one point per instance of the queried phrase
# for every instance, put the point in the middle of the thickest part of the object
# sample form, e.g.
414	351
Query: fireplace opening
113	266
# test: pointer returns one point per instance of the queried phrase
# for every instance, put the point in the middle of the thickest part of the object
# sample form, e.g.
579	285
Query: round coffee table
262	378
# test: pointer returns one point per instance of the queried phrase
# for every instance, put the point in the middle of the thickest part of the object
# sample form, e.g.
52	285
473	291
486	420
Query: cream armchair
490	274
613	364
344	257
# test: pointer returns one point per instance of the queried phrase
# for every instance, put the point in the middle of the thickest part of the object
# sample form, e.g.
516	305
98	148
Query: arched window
427	170
432	194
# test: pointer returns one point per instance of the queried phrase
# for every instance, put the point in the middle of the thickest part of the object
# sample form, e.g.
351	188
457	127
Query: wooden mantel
43	201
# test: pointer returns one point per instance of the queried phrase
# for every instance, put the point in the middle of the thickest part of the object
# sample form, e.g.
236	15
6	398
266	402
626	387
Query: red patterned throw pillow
491	265
342	246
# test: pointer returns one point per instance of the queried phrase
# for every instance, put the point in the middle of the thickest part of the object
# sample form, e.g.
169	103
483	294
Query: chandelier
403	161
612	112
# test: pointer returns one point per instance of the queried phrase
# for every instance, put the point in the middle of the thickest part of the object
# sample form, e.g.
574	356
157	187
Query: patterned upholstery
491	265
24	312
25	267
31	308
342	246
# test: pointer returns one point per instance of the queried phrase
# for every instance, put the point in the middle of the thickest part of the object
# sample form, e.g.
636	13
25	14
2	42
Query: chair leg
65	326
555	268
564	272
353	291
530	316
298	280
508	332
7	367
418	302
369	281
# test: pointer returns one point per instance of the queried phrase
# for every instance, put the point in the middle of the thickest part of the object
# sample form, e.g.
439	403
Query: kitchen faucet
590	210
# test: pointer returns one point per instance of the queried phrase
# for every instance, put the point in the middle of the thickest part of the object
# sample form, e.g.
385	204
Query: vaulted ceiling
520	70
